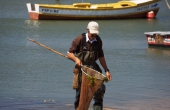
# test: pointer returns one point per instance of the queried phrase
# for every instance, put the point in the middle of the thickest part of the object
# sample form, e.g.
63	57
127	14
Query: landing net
91	81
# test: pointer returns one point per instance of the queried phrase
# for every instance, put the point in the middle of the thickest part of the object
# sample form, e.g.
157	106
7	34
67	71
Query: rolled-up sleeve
75	45
101	53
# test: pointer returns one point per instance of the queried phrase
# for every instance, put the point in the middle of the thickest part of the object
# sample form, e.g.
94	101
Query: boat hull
38	16
47	12
158	38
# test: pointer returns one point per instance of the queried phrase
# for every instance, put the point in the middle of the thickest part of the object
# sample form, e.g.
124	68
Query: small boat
82	11
158	38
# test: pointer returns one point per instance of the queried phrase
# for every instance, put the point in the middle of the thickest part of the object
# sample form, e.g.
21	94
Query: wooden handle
48	48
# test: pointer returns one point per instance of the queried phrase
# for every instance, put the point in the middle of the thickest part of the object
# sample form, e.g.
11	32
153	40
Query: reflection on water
159	51
32	23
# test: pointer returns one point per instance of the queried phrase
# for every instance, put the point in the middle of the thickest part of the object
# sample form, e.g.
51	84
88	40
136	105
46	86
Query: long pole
167	4
38	43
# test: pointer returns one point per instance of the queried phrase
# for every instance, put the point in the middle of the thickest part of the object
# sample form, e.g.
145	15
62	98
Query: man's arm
74	58
104	65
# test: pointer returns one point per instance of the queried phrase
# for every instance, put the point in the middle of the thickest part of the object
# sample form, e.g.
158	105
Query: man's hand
78	62
75	59
109	76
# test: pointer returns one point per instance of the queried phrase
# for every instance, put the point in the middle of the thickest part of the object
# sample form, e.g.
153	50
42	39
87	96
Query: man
85	50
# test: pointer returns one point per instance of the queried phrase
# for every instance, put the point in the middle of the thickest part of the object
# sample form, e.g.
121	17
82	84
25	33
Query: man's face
91	35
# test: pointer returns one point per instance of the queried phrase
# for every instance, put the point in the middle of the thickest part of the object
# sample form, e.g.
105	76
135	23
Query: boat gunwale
98	6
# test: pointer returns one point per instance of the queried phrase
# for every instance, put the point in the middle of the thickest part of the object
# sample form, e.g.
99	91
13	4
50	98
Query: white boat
158	38
82	11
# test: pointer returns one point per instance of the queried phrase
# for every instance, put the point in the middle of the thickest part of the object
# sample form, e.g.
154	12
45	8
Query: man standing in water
85	50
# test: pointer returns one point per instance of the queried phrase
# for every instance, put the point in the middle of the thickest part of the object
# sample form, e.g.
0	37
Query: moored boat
82	11
158	38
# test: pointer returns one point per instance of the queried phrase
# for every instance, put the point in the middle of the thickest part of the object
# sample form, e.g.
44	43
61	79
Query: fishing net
91	81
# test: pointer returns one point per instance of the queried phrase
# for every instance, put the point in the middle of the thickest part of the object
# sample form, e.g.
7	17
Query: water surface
30	74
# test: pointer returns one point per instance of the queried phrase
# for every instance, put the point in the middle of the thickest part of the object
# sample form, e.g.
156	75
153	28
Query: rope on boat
167	4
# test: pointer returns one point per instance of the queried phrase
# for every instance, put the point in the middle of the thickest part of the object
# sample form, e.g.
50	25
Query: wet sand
150	104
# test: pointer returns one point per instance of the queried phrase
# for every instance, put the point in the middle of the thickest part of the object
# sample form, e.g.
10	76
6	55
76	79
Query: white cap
93	27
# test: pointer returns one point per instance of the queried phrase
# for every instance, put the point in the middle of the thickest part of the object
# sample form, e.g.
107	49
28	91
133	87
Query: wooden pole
42	45
167	4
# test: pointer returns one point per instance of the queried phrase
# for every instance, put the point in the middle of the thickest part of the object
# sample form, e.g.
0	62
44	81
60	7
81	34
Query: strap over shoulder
84	42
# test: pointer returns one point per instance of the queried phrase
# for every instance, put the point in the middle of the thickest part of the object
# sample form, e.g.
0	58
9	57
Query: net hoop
102	76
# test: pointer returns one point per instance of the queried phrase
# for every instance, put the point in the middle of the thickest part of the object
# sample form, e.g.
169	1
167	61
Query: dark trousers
98	97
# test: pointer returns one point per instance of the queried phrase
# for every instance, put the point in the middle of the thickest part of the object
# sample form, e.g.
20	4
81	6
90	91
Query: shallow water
30	74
